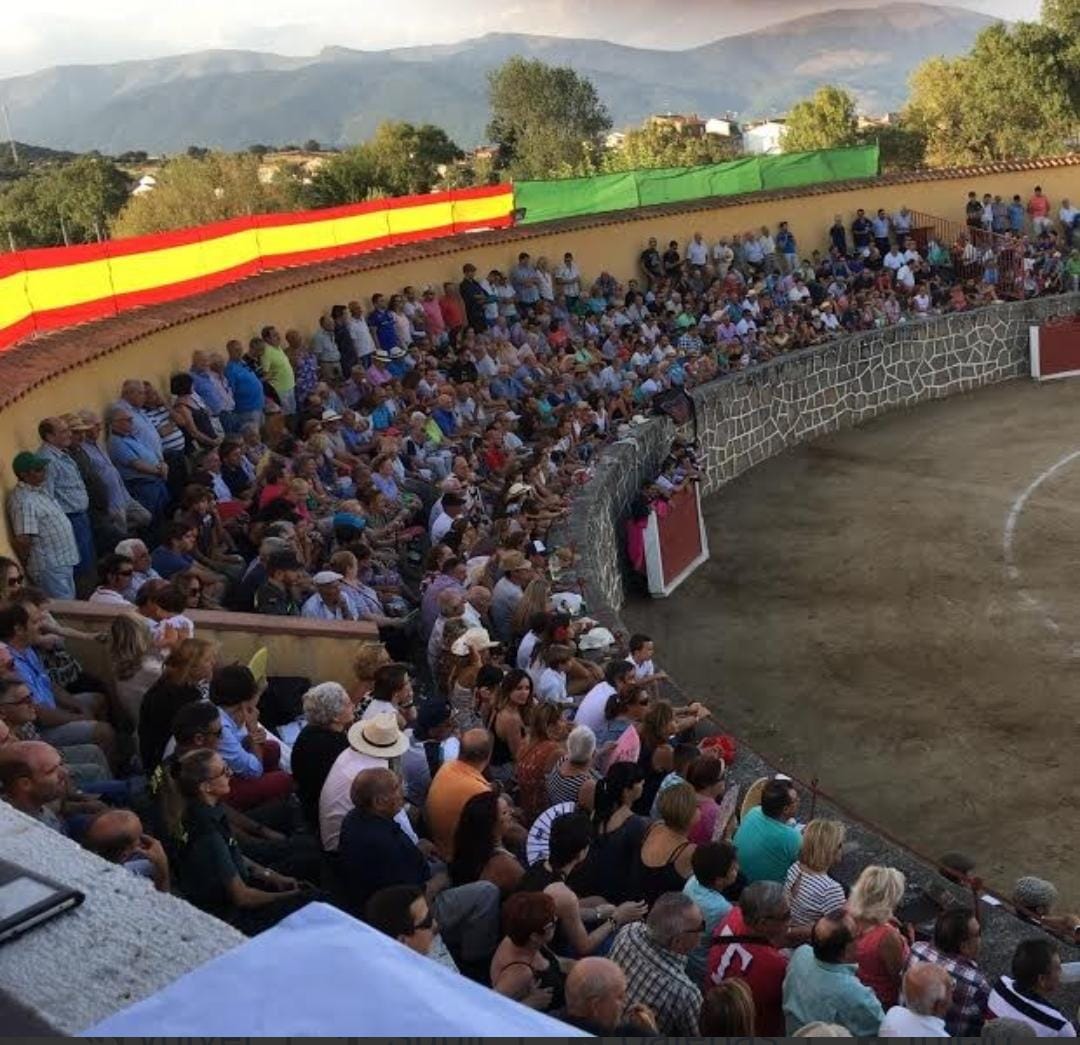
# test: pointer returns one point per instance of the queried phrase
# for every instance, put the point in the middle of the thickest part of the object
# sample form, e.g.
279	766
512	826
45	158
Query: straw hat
378	736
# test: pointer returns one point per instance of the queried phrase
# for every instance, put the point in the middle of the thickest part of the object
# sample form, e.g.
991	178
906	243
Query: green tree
348	177
406	158
311	145
1014	96
68	203
1062	16
547	121
825	121
197	191
258	149
661	145
903	148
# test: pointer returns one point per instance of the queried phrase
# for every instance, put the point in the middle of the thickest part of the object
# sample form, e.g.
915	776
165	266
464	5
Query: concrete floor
857	623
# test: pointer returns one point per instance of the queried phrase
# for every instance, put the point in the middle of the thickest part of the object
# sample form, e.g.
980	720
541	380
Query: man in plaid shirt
957	936
653	957
40	530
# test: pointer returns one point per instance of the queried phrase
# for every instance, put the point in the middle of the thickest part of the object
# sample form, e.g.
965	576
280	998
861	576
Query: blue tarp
323	973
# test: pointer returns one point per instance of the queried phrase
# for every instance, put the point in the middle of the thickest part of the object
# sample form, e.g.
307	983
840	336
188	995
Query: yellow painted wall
613	243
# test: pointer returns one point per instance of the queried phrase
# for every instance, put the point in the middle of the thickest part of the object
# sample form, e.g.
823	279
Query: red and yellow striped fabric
43	290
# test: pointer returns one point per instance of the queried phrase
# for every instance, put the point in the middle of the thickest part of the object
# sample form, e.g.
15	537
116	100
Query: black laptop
28	899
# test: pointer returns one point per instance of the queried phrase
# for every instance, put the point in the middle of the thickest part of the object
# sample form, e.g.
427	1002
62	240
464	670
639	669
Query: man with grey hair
142	468
135	550
927	993
120	512
653	955
748	944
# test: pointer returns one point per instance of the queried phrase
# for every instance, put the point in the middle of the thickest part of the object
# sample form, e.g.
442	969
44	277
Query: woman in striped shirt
808	887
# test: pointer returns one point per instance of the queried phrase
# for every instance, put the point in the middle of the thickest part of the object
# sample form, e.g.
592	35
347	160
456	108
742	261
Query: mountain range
231	99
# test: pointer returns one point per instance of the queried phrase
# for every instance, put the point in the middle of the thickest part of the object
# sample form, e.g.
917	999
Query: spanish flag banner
42	290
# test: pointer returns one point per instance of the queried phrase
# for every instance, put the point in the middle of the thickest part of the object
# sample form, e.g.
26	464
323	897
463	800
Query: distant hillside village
752	137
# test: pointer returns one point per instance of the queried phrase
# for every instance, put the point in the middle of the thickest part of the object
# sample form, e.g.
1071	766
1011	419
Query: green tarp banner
572	197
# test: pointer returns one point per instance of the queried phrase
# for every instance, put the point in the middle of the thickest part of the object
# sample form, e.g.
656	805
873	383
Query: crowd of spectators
505	787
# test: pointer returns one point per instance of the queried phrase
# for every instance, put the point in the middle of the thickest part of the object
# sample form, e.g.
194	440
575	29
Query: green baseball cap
28	462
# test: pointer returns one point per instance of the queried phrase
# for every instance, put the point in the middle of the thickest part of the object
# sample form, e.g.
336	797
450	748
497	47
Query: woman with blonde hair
536	599
370	656
185	678
728	1010
664	862
881	947
136	662
810	890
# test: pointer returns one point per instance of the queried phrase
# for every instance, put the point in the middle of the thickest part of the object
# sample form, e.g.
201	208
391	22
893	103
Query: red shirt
759	964
452	312
495	458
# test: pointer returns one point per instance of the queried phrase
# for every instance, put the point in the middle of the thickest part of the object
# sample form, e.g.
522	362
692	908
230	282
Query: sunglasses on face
16	580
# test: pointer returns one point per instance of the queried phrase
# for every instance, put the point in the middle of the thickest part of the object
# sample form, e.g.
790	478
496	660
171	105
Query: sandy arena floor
859	621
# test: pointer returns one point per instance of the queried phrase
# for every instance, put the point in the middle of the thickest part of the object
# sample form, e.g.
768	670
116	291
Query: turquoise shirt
815	990
767	848
713	906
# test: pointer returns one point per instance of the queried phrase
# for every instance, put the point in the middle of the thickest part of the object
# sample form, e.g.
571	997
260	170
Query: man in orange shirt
454	784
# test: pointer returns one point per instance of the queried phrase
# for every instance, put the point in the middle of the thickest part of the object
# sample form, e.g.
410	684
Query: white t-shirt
525	650
642	670
441	527
568	278
551	687
697	253
335	800
903	1023
591	711
893	260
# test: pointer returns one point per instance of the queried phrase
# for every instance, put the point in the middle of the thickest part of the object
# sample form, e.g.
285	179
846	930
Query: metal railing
971	250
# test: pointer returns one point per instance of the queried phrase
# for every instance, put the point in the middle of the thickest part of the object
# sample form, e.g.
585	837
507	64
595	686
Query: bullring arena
890	614
889	606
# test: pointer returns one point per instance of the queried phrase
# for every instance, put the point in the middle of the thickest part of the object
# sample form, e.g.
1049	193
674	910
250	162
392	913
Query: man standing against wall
41	532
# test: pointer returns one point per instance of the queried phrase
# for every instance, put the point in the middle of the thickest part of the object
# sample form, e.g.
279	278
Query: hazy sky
42	33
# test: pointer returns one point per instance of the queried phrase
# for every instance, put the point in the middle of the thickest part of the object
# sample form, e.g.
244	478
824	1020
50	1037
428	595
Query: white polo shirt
335	799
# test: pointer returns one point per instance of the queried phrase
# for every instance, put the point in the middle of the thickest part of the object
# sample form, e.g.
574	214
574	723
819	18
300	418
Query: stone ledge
124	942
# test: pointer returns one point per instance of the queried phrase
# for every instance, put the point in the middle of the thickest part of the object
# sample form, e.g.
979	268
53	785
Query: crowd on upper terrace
504	769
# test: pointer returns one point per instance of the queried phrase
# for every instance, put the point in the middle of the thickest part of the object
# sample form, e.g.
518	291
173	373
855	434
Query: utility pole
11	137
63	230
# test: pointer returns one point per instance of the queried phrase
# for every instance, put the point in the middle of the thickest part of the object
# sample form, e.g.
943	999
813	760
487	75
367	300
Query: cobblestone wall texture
747	417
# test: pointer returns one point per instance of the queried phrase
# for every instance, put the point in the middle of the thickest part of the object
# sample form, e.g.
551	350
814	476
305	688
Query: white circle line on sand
1012	519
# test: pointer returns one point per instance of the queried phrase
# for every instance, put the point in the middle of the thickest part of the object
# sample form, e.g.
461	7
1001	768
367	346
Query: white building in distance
765	138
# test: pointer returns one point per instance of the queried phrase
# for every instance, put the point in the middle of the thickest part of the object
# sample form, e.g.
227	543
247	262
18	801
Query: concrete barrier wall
748	417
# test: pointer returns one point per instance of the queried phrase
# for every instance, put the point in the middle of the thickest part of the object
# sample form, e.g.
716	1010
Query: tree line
1015	95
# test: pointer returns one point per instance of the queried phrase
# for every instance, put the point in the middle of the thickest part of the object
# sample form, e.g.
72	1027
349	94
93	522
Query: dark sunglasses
17	579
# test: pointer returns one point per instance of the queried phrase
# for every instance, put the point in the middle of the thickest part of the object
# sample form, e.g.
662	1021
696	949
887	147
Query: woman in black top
185	678
509	721
524	966
213	873
329	713
609	869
